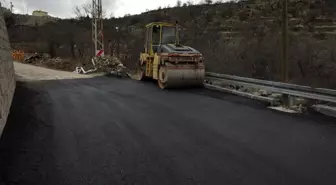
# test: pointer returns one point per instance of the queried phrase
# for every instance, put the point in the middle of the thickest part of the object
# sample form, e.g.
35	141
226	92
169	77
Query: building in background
40	13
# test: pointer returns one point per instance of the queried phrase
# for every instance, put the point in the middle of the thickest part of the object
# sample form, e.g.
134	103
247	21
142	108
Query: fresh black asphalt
118	131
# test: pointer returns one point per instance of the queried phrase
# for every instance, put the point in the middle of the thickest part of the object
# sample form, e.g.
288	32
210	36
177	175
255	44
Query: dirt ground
58	63
26	72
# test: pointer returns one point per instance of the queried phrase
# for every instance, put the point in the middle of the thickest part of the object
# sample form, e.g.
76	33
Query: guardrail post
291	101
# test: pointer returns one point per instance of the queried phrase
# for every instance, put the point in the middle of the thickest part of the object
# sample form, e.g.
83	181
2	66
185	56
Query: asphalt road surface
104	130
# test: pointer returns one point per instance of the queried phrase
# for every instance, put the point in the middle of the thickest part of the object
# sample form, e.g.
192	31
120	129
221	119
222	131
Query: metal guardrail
321	94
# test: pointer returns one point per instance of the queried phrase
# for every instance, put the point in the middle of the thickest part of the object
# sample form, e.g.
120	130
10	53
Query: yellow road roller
164	59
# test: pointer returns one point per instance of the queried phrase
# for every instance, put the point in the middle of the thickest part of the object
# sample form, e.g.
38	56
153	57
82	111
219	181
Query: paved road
115	131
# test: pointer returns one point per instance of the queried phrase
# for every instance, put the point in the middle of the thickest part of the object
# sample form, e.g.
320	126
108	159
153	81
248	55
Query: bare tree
219	2
84	11
190	3
206	2
178	3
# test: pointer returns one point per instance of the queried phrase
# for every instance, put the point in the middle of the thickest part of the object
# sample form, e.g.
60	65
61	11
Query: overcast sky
64	8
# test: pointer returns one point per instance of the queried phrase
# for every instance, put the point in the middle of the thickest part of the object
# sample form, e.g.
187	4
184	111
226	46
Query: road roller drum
173	76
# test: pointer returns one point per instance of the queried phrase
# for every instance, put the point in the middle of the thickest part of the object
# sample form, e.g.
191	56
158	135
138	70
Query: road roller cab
166	60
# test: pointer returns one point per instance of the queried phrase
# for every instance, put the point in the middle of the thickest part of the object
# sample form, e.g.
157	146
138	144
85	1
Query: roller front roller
175	76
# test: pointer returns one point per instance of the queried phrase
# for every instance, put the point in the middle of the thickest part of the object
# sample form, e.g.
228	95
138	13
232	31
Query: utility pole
284	57
97	27
11	7
118	42
110	47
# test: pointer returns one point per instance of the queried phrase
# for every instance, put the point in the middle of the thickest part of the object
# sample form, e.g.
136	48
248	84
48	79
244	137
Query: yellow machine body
164	59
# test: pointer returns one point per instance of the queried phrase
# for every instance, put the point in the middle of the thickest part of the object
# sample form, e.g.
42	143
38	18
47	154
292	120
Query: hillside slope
240	38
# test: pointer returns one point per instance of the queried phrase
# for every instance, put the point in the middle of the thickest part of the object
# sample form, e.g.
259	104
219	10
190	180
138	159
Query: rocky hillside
241	38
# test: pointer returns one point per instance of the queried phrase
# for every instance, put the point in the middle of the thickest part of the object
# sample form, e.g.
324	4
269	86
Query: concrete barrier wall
7	77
